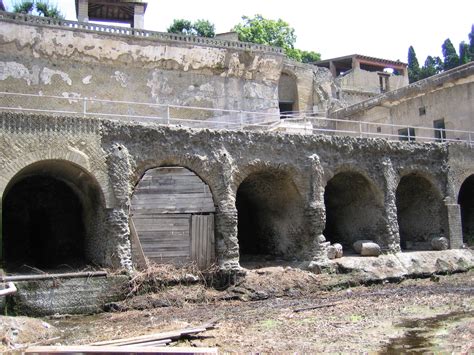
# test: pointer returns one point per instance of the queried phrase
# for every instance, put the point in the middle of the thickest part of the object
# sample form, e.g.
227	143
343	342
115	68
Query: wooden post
137	250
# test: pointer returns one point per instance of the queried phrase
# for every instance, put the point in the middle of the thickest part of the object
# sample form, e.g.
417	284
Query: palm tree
38	7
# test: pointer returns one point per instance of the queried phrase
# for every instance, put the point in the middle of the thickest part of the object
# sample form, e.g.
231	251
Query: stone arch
301	178
466	202
53	214
207	172
354	208
172	209
287	93
421	213
424	172
69	154
270	211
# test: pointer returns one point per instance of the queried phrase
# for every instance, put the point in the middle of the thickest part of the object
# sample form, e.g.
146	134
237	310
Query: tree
277	33
464	55
47	10
180	26
202	28
432	66
413	66
24	7
451	58
269	32
310	56
471	43
38	7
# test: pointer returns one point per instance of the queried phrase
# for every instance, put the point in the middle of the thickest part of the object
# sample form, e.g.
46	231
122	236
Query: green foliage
269	32
38	7
264	31
310	56
48	10
464	55
277	33
471	43
180	26
413	66
432	66
451	58
23	7
202	28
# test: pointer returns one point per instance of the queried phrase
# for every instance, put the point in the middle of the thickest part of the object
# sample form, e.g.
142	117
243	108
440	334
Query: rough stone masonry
301	187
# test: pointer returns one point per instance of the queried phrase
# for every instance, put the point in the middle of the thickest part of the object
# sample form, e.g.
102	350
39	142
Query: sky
383	29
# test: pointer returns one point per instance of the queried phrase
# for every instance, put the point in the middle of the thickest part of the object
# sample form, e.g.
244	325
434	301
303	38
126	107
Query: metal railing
214	118
127	31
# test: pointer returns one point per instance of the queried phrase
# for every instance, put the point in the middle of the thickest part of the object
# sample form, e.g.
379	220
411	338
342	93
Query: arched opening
354	210
419	212
173	217
466	201
287	95
51	218
270	217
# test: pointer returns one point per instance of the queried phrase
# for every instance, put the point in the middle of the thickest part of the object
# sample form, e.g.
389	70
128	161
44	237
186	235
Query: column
454	225
315	211
332	68
83	11
355	63
391	243
139	17
227	243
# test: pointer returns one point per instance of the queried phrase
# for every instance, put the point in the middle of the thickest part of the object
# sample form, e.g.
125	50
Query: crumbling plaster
45	60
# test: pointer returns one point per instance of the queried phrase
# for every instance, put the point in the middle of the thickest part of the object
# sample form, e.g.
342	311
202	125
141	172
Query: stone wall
75	63
447	96
224	160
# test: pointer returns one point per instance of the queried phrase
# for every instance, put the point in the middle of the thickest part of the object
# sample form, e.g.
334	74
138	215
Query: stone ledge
73	296
405	265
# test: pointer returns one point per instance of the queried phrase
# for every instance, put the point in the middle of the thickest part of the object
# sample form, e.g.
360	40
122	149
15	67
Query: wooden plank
111	349
137	250
202	229
171	191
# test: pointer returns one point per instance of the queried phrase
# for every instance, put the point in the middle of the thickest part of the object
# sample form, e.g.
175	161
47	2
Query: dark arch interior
353	210
419	212
42	224
270	217
52	218
466	201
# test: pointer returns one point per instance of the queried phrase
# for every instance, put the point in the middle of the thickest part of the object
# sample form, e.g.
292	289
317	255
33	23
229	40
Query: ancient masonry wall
117	154
77	63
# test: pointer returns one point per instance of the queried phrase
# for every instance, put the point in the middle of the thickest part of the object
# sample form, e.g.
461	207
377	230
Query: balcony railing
127	31
215	118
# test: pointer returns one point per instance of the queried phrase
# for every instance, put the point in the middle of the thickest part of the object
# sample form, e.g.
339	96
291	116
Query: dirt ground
258	315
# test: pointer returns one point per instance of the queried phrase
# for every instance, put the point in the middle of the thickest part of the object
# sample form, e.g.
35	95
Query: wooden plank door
202	240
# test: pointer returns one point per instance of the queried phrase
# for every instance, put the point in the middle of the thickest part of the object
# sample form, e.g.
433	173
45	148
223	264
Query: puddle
426	335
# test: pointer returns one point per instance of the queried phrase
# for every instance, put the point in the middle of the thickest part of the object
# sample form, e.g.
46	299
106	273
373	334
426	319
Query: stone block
335	251
73	296
358	245
439	243
370	249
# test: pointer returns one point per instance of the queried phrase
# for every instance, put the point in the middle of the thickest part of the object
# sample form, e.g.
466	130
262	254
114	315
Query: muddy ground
258	314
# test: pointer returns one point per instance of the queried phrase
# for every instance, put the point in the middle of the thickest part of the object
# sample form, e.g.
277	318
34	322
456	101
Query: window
422	111
379	129
406	134
439	130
